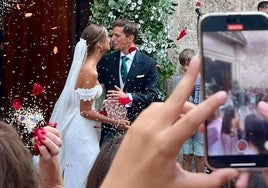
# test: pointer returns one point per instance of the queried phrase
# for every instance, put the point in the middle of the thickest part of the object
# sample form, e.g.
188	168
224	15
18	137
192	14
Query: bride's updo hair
93	34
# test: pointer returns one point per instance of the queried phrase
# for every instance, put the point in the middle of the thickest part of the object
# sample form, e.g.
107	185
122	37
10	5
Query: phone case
234	50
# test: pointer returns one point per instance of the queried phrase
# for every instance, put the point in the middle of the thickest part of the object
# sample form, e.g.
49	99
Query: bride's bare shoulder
87	78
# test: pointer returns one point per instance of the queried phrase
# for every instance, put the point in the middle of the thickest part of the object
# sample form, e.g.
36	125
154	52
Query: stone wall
186	17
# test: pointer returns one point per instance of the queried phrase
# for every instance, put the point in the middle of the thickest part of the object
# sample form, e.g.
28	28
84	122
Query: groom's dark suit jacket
141	82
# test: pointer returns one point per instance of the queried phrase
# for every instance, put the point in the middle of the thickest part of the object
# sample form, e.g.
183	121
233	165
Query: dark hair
257	180
229	114
103	162
17	168
130	27
185	56
93	34
255	131
262	4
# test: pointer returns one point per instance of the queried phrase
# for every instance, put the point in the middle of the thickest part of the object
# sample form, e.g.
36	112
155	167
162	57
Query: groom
127	72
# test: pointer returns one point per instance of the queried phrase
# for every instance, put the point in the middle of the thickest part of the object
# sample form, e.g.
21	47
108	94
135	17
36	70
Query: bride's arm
88	79
87	112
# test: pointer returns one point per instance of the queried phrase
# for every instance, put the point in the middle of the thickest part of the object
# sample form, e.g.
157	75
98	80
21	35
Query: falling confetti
55	50
7	5
182	34
27	15
18	6
26	115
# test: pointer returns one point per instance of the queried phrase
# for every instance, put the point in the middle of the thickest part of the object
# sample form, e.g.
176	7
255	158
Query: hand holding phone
234	50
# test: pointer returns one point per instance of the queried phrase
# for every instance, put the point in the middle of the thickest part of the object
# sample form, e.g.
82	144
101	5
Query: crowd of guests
228	137
146	154
248	97
141	158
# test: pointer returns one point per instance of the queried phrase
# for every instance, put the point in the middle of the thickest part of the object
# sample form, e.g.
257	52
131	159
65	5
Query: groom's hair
262	4
130	27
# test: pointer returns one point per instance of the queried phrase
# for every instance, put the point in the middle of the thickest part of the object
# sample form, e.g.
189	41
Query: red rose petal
16	104
182	34
124	100
131	49
37	89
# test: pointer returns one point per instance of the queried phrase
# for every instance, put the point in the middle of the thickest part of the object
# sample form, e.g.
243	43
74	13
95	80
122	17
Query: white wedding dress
80	138
80	142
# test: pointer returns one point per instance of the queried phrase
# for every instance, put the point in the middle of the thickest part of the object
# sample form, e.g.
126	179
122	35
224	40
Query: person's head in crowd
16	165
263	6
257	180
125	35
227	121
185	58
255	132
96	37
103	162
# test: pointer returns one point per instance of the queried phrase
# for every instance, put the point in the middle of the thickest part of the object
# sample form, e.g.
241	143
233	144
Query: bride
75	109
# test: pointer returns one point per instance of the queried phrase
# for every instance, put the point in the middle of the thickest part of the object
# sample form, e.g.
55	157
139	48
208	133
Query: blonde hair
186	56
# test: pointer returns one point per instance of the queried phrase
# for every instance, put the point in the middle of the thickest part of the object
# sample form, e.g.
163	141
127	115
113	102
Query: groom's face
120	40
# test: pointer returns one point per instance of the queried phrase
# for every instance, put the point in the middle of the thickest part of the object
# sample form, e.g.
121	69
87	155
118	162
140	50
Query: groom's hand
116	94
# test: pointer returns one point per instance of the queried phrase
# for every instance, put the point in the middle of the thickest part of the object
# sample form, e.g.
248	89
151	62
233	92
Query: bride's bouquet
116	109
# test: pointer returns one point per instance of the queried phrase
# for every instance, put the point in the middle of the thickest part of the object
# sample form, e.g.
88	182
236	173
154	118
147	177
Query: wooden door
39	38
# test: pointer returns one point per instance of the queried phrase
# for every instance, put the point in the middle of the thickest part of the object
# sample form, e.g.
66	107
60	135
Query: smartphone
234	50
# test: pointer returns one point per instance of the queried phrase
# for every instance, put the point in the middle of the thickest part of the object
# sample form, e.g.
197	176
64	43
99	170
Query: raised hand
147	155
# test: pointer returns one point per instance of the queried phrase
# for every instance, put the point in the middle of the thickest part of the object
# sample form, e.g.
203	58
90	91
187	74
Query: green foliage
151	17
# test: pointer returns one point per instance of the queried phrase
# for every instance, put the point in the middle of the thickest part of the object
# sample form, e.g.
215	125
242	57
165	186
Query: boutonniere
132	49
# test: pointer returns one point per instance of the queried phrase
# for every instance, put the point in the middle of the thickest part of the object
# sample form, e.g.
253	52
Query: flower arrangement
116	109
151	17
27	117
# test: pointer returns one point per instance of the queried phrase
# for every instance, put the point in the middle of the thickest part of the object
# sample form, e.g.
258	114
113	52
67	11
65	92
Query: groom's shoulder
111	54
145	56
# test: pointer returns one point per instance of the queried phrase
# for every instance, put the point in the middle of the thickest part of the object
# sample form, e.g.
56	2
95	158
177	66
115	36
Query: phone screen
235	59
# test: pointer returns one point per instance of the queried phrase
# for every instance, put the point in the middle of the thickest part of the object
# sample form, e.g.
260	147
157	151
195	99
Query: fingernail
52	124
35	139
40	143
263	106
36	150
43	138
221	95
